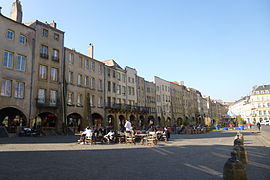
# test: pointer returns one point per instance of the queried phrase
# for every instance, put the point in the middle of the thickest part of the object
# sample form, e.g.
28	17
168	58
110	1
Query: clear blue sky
220	47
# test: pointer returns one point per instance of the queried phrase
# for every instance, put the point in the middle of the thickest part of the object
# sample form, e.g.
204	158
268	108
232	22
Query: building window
118	76
113	74
70	77
10	35
70	98
124	78
92	100
54	74
41	95
56	36
71	58
109	72
114	87
133	91
129	79
44	51
86	81
55	55
129	90
79	79
79	100
22	39
118	89
86	64
53	95
100	68
8	59
19	91
93	66
21	62
109	101
123	90
6	88
42	72
100	84
45	33
100	101
109	86
81	62
133	81
92	83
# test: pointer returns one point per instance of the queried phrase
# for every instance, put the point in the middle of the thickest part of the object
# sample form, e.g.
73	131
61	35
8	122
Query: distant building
255	107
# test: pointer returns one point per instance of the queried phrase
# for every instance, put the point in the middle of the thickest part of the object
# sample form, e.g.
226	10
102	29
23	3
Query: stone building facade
84	90
57	89
17	42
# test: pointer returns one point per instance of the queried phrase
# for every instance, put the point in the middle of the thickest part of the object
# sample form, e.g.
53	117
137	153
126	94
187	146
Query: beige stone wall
164	105
15	47
94	69
150	93
48	84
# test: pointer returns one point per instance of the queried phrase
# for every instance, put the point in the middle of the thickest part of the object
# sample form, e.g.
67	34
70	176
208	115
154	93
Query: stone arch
45	120
159	120
132	119
179	121
110	122
96	120
12	118
74	121
121	121
168	121
141	121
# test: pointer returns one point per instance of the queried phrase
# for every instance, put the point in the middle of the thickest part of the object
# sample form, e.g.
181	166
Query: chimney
16	11
0	9
53	24
91	50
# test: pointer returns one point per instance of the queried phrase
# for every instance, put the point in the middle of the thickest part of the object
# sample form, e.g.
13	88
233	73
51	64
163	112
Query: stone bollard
233	169
241	153
237	141
240	136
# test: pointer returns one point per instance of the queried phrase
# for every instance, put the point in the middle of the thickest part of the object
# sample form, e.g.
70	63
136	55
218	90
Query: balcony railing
127	107
47	103
44	55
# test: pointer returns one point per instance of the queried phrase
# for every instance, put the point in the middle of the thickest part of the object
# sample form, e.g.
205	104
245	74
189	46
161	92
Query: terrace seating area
140	137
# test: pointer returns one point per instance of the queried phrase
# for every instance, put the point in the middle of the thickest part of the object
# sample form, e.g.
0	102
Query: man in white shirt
128	126
87	134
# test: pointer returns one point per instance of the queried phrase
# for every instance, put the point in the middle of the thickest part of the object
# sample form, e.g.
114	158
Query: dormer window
45	33
56	36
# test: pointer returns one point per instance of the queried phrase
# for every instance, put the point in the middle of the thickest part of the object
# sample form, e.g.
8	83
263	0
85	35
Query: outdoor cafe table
141	136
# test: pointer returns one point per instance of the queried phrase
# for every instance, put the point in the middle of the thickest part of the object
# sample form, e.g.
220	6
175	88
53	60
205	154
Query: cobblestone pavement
184	157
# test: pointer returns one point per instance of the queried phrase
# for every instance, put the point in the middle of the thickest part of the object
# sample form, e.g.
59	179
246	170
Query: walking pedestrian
259	126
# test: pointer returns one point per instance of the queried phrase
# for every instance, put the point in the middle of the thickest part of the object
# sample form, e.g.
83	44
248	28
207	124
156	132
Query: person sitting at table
109	137
86	134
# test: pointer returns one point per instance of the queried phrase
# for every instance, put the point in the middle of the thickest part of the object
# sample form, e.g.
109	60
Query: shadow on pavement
158	163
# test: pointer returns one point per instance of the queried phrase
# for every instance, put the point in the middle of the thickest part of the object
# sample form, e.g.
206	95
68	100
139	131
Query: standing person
259	126
128	126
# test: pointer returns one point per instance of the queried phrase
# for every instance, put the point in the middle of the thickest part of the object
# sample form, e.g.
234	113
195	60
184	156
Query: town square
134	89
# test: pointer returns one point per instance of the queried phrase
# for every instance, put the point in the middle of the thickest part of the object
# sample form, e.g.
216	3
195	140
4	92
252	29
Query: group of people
193	127
258	125
108	135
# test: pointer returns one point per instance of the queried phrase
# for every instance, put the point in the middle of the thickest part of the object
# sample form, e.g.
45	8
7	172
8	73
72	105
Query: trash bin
241	127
